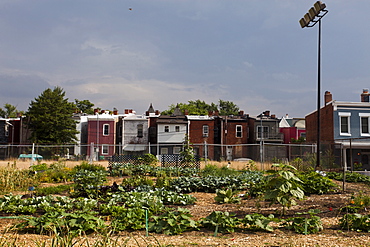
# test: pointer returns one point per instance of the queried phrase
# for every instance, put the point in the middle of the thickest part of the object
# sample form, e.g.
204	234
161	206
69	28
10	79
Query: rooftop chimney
365	95
328	97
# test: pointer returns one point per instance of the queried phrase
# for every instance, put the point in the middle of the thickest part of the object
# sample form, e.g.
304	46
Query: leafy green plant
227	196
305	225
220	222
350	177
63	223
52	190
88	182
136	181
355	222
128	218
316	183
213	170
148	159
283	186
258	222
173	222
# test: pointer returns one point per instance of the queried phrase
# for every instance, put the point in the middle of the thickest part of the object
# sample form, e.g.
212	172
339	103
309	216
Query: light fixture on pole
310	19
261	142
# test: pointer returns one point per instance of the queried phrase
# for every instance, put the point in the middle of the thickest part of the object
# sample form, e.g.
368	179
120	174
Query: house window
105	149
262	131
344	123
205	130
6	130
239	131
164	150
176	150
364	118
166	128
140	130
106	129
177	128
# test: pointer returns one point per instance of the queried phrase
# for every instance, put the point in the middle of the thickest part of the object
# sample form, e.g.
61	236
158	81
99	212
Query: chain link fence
331	158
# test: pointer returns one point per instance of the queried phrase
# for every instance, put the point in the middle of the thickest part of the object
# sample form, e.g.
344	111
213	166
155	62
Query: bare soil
332	235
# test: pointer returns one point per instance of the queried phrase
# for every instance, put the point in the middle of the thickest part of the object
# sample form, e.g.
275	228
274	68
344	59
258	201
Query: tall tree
196	107
199	107
9	111
227	108
85	106
50	118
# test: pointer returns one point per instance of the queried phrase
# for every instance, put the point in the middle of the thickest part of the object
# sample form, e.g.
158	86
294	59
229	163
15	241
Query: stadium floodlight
310	19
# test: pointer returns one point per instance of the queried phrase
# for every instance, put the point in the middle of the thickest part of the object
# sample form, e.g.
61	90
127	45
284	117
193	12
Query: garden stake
146	223
305	226
216	231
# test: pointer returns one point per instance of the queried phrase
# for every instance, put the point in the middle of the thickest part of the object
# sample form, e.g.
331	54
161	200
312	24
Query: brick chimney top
365	95
328	97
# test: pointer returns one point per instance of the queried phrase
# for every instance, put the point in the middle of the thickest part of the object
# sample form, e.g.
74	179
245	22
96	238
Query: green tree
199	107
50	118
84	106
9	111
227	108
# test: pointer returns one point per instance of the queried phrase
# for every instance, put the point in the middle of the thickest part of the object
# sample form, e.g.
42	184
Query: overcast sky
130	53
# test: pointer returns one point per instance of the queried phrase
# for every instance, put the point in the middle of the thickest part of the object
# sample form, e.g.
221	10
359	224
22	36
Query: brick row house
345	127
212	136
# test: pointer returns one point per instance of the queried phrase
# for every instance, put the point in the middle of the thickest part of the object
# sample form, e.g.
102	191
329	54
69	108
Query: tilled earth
329	204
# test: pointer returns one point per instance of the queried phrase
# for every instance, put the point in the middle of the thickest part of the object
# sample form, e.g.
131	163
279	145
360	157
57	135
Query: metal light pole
310	19
261	143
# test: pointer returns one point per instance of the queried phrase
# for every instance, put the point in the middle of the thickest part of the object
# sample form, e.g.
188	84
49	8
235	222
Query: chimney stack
365	95
328	97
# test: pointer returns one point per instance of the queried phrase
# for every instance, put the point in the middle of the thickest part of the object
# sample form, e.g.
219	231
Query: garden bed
329	204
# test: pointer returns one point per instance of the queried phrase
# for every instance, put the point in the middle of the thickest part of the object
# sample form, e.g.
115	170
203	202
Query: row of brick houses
213	136
345	128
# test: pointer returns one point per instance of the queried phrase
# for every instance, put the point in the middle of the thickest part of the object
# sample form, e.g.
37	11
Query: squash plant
227	196
173	222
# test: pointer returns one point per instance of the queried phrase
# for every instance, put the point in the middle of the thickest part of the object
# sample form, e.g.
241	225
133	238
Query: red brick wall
231	139
196	136
109	139
326	123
